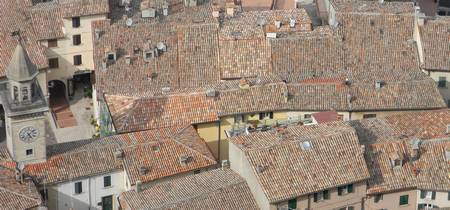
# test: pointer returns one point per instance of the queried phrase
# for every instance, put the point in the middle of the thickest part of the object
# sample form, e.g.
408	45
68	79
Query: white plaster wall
445	91
92	194
440	201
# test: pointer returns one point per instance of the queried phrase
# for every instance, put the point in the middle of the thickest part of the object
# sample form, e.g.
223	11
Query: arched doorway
57	92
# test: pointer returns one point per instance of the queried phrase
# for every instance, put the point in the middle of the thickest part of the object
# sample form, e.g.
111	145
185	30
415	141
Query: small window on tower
16	93
25	94
29	152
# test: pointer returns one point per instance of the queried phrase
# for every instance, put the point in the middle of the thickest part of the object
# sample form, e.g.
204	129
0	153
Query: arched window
16	93
25	94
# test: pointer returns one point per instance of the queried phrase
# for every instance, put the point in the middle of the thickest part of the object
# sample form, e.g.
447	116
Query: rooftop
158	151
435	43
278	159
15	195
216	189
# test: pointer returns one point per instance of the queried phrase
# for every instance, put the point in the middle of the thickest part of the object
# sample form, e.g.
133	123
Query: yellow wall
359	115
209	132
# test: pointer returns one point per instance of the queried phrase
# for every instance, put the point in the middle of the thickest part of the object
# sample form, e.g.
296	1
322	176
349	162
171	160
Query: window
320	196
52	43
265	115
107	181
44	194
238	118
307	116
78	187
77	60
76	22
347	208
29	152
292	204
76	39
345	189
448	196
111	56
404	199
16	93
24	93
428	194
378	198
442	82
197	171
365	116
53	63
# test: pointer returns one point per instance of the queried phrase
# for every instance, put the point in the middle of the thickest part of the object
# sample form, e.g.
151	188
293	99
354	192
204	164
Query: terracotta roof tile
216	189
436	44
14	195
335	158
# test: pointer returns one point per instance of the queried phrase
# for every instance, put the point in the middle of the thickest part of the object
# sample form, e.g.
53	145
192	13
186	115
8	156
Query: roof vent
244	84
148	13
118	154
415	144
306	145
143	170
98	33
271	35
259	169
396	160
184	160
278	24
165	89
129	22
128	59
161	46
348	82
292	23
211	93
166	10
260	22
379	84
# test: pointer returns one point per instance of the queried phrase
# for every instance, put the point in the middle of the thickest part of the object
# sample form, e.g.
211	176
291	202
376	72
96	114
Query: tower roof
20	67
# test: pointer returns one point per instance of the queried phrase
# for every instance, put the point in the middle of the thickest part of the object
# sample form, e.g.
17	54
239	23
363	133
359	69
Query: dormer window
396	160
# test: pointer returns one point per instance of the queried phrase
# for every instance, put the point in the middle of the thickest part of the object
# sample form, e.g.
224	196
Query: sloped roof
436	43
20	67
78	159
285	170
429	172
216	189
14	195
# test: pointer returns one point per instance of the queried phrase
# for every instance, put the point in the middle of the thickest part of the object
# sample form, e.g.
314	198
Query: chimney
292	23
118	154
379	84
165	10
230	7
97	33
225	164
143	170
128	59
244	84
415	145
139	186
278	24
183	160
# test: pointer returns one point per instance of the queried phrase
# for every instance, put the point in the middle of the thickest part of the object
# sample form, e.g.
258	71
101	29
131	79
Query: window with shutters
320	196
404	199
76	39
345	189
378	198
76	22
442	83
53	63
265	115
52	43
107	181
292	204
78	187
77	60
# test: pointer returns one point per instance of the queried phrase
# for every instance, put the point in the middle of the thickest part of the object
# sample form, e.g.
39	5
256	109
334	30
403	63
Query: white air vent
306	145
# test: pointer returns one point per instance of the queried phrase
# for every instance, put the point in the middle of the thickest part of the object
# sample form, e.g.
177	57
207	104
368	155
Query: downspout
89	188
218	153
309	202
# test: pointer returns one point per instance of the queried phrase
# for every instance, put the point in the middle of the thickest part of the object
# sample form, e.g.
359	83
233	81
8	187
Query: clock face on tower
28	134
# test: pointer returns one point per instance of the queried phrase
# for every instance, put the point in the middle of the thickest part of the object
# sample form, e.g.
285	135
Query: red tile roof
15	195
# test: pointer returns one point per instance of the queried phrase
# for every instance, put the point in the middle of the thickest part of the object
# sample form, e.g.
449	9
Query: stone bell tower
26	110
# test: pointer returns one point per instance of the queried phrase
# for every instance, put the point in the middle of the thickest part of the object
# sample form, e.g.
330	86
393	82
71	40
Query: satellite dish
129	22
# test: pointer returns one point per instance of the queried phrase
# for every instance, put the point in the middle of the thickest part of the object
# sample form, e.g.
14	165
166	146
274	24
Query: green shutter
404	199
350	188
433	195
326	195
292	204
